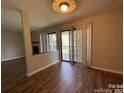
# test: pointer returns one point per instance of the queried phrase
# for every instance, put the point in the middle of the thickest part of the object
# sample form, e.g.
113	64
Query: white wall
108	40
37	62
11	45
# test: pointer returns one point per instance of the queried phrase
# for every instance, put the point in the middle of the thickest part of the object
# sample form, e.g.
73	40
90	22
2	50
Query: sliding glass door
71	45
74	45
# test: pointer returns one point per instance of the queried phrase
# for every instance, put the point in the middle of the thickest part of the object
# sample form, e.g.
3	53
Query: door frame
90	38
61	43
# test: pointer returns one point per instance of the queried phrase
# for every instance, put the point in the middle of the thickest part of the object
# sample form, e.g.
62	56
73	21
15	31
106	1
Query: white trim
11	58
89	44
108	70
30	74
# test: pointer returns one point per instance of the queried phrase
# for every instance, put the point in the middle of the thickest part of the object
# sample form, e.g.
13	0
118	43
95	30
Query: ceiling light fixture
64	6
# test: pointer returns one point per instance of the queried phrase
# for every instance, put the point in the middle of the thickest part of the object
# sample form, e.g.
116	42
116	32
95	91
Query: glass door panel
78	45
72	45
65	46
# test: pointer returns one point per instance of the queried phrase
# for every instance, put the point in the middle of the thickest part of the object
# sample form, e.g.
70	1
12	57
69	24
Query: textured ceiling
41	14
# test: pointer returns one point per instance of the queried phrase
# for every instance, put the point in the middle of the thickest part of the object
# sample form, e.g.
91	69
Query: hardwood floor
12	72
62	77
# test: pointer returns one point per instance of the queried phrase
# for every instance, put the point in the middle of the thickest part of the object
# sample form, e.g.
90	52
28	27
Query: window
52	45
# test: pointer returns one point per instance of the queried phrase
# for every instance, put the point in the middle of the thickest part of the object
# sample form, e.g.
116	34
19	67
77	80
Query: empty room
61	46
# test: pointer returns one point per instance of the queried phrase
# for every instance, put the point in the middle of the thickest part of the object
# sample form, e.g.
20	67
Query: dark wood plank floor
60	78
12	72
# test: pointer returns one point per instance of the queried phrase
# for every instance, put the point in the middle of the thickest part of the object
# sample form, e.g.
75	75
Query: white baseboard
11	58
108	70
30	74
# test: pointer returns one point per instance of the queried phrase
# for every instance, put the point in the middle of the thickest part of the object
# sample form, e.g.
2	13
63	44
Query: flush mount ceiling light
64	6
